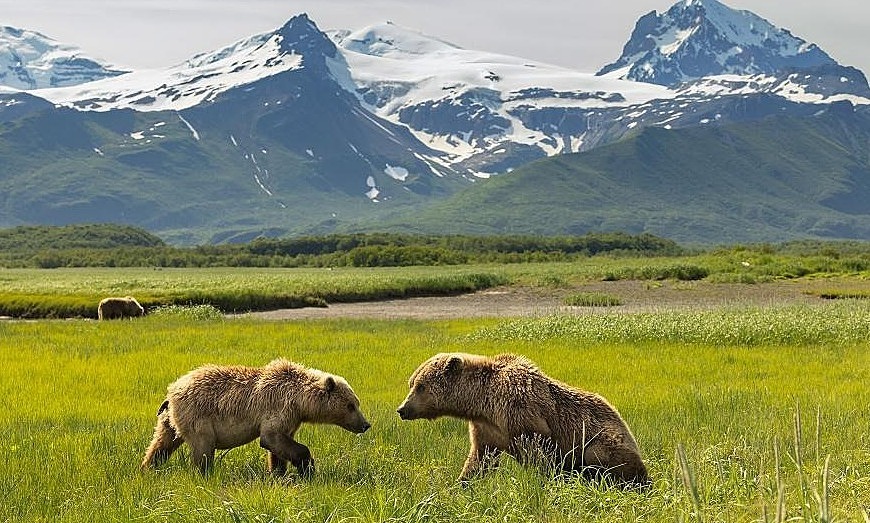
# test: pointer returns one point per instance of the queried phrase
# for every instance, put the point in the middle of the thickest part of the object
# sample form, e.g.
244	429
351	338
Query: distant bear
513	407
115	308
222	407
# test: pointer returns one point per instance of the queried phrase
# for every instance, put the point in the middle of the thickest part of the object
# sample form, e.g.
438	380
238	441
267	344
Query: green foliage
93	236
63	247
592	299
757	427
74	292
30	306
667	272
187	312
842	322
841	294
64	293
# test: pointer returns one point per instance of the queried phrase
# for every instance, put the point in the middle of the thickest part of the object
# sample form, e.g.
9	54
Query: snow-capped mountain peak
297	44
391	41
698	38
467	104
30	60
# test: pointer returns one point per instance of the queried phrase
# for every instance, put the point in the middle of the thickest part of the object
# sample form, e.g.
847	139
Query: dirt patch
636	296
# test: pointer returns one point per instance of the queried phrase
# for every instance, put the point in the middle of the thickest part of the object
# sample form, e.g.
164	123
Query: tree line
107	245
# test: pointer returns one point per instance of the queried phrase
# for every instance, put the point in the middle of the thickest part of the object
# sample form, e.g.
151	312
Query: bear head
132	307
444	385
337	404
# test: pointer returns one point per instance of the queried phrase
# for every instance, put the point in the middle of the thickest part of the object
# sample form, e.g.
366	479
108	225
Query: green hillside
85	236
778	179
150	170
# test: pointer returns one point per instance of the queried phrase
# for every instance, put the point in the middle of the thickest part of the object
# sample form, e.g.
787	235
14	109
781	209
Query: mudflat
511	301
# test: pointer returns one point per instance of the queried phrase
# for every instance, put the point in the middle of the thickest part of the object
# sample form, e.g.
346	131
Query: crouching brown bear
513	407
222	407
117	308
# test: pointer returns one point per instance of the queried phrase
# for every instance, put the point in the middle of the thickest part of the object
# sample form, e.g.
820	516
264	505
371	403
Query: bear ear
454	364
329	384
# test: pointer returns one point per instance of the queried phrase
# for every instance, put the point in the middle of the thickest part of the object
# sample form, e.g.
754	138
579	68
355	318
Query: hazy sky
581	34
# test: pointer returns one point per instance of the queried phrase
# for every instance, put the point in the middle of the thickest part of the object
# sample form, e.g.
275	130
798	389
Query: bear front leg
483	455
301	458
622	464
276	465
285	448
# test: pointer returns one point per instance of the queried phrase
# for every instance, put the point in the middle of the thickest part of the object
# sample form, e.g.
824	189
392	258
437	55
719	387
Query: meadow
741	413
75	291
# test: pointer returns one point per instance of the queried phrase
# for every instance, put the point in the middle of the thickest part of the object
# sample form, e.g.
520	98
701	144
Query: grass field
62	293
741	415
75	292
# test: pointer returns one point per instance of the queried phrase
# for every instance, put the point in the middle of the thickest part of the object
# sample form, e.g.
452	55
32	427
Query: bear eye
419	388
351	407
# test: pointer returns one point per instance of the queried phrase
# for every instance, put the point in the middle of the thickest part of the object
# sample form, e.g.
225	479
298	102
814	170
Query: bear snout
357	426
405	412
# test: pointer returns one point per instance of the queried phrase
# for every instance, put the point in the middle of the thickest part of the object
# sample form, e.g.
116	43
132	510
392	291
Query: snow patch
190	127
396	173
373	191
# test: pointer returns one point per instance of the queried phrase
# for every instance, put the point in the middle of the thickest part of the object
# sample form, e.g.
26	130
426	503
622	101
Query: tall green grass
732	430
841	322
62	293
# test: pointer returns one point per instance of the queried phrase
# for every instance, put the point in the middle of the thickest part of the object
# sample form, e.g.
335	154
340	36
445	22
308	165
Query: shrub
187	312
592	299
680	272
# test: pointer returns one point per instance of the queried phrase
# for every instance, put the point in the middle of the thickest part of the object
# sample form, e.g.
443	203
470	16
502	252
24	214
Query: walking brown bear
222	407
513	407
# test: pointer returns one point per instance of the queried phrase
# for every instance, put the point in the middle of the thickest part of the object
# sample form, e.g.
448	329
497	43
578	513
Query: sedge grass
774	427
61	293
592	299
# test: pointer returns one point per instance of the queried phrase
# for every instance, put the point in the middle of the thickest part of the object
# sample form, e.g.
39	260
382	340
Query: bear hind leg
163	444
202	456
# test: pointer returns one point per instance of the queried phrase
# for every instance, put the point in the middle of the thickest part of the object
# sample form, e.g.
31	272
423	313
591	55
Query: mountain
697	38
782	178
258	136
484	113
30	60
299	131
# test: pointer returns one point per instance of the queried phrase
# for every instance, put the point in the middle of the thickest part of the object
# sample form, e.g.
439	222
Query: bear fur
117	308
222	407
512	407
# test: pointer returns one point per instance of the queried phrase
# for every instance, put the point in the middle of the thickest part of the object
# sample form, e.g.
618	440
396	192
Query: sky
580	34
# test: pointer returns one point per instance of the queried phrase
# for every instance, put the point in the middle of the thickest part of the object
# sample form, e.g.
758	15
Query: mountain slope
30	60
773	180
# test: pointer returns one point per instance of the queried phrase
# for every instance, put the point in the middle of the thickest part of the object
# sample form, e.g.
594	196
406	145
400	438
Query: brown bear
116	308
222	407
512	406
